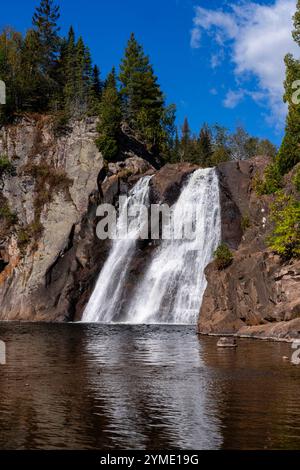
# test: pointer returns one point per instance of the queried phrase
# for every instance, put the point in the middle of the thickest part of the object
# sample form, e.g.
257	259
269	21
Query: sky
218	61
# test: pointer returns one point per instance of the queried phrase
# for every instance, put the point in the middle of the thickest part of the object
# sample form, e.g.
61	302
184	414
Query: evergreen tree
289	153
143	103
110	119
69	70
185	140
96	82
77	67
95	91
11	72
205	147
82	78
175	155
47	43
45	25
34	87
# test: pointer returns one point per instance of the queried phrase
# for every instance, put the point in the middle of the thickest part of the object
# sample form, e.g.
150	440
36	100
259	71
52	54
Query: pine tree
204	147
34	87
47	40
95	91
82	78
96	82
69	70
77	68
110	119
289	153
19	80
175	155
185	143
44	21
143	103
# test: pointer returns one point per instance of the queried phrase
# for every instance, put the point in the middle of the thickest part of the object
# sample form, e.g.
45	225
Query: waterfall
104	304
174	282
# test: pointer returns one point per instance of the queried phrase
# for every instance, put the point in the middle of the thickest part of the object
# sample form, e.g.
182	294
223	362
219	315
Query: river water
92	386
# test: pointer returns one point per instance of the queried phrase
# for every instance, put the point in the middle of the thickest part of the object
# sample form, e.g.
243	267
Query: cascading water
104	304
173	285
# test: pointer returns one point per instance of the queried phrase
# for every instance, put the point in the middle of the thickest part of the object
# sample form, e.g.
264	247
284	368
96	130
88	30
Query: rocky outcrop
50	189
50	257
257	295
166	185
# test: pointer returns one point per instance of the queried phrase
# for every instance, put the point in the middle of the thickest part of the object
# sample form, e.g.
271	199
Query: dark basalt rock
257	295
166	185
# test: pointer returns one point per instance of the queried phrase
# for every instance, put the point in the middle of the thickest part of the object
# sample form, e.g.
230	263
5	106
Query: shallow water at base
91	386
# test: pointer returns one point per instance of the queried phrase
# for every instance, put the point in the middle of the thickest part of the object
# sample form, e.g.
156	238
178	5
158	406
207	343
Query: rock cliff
49	254
257	295
50	257
48	192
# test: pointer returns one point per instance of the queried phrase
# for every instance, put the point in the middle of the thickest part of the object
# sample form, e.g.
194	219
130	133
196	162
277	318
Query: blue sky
216	62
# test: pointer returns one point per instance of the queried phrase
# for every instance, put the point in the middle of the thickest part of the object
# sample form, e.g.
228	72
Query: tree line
47	73
215	144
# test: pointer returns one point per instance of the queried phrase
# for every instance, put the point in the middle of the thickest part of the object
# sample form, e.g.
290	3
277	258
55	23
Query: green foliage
285	239
245	223
296	179
223	257
110	119
220	145
43	46
6	167
204	146
142	99
44	21
289	153
48	181
265	147
271	182
216	145
44	72
6	213
220	155
185	143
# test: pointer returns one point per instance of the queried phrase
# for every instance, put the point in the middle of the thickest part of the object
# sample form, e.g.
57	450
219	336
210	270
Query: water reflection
154	387
111	387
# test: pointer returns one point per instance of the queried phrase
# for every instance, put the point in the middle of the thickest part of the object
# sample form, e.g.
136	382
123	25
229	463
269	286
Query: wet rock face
166	185
257	295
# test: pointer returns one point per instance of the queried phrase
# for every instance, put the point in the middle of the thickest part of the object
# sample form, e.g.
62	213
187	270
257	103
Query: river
93	386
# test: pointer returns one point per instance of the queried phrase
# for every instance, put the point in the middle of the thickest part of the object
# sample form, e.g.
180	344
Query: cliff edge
257	295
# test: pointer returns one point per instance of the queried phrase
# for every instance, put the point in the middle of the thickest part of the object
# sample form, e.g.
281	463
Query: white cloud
257	37
217	59
233	98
